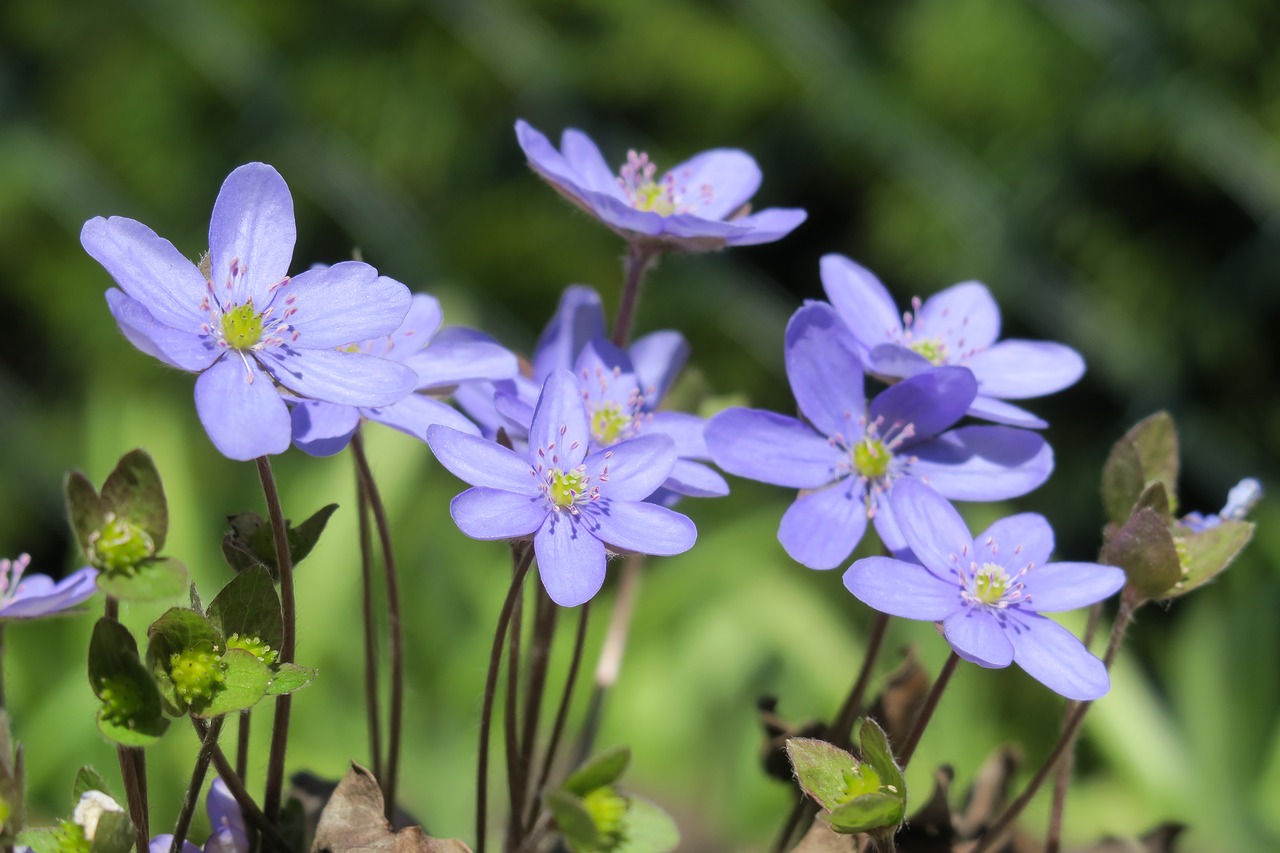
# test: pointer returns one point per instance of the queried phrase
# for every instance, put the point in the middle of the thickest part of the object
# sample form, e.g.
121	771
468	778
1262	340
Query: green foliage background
1110	168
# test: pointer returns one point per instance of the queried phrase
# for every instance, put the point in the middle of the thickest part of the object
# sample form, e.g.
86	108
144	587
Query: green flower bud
608	810
255	647
197	673
119	546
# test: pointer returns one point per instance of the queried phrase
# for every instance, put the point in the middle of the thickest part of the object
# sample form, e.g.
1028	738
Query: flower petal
771	448
901	589
1015	541
579	318
484	513
546	160
352	378
417	413
559	429
861	300
657	359
481	462
821	529
1065	586
1000	412
347	303
252	227
241	410
1053	656
631	470
929	402
825	372
689	432
768	225
984	463
162	843
894	361
1016	369
642	528
175	347
40	600
715	183
570	560
934	531
221	806
587	164
149	269
323	429
227	840
446	363
976	635
693	479
964	317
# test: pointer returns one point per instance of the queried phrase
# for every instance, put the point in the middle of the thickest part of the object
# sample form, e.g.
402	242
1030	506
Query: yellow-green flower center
861	780
120	546
990	584
931	348
608	812
608	423
653	198
567	486
242	326
871	458
197	673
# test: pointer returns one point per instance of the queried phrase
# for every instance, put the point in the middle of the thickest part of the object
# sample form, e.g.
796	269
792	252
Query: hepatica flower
699	205
323	429
227	835
1243	496
957	326
573	503
249	330
989	590
24	596
848	455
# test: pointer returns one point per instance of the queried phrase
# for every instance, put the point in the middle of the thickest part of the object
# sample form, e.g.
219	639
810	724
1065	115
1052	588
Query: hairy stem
284	562
209	741
242	743
639	261
253	815
372	712
133	765
544	627
510	719
562	712
926	711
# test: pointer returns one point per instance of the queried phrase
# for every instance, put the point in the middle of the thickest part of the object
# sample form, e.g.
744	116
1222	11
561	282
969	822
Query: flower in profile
228	833
1243	496
697	206
957	326
849	454
323	429
250	331
575	504
24	596
989	590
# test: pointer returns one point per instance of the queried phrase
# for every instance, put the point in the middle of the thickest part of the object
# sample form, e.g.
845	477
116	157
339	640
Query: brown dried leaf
821	838
896	707
989	792
353	820
929	830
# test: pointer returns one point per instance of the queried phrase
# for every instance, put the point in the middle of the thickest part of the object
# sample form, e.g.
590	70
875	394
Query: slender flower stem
562	713
926	711
133	766
1070	727
242	743
395	629
372	713
544	627
510	722
640	260
490	689
284	562
203	758
235	786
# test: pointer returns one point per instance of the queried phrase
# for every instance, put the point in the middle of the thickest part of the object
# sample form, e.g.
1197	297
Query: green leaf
873	745
573	820
602	769
245	681
250	541
152	580
88	779
250	607
177	630
84	508
132	712
649	829
1156	440
133	492
820	769
867	812
289	678
1122	480
44	839
305	536
1145	549
1155	498
115	834
1208	553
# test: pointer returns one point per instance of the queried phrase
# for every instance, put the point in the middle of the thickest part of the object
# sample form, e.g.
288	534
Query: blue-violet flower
24	596
228	833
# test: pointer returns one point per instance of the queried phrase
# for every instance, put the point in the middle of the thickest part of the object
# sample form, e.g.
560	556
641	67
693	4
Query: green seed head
567	486
120	546
197	673
608	810
931	348
242	326
254	646
861	779
871	458
122	701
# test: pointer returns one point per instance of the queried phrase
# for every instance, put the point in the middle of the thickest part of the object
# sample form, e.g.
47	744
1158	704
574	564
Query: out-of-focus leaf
84	508
250	541
132	712
1155	498
1208	553
598	771
88	779
289	678
649	829
572	819
1156	440
152	580
1122	480
114	834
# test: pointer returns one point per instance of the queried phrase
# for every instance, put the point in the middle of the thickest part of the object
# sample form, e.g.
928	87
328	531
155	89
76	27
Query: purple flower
957	326
33	596
323	429
850	454
243	324
227	834
574	504
989	590
1243	496
699	205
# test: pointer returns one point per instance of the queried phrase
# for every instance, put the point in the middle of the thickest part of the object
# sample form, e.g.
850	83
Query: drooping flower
575	504
323	429
848	455
623	390
228	833
697	206
957	326
989	590
1243	496
24	596
249	330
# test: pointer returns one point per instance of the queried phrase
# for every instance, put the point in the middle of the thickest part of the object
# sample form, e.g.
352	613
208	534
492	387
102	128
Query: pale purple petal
227	840
984	463
514	412
570	560
1015	541
588	164
449	363
34	598
691	225
179	348
964	317
323	429
768	225
484	513
901	589
821	529
657	359
352	378
241	410
606	374
415	414
929	402
252	227
715	183
560	428
630	470
222	808
825	372
481	462
346	303
421	323
934	531
1015	369
771	448
1066	586
579	318
546	160
887	527
624	218
977	636
861	300
149	269
894	361
162	843
695	480
1053	656
643	528
1000	412
686	430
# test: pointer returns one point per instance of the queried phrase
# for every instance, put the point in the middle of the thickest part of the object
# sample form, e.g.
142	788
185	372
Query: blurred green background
1110	168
